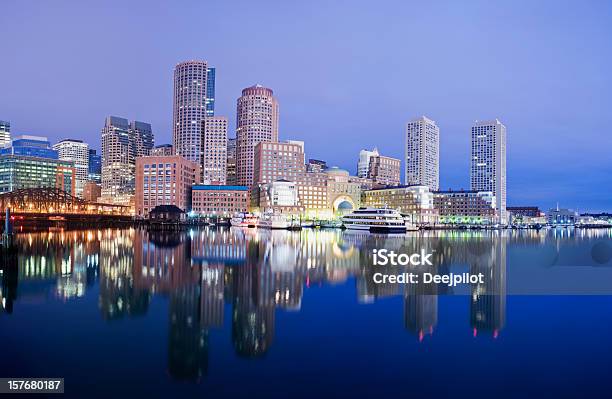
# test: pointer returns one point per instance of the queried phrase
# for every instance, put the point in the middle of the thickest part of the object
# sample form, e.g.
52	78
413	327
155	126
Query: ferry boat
275	221
244	220
383	220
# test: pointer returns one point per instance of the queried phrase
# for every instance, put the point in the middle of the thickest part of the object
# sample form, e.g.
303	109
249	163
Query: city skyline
557	98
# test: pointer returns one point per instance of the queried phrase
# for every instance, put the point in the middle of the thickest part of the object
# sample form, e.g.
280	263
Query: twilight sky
347	74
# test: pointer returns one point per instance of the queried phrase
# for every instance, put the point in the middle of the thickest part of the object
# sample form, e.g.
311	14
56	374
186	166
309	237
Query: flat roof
218	188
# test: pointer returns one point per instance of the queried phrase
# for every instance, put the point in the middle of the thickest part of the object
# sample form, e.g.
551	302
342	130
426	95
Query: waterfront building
280	196
78	152
164	180
525	215
363	165
316	166
488	162
122	143
384	171
92	191
312	193
5	134
343	193
162	150
94	172
274	161
189	108
24	171
30	146
219	201
214	150
422	153
256	121
143	138
416	202
561	217
210	91
231	161
465	207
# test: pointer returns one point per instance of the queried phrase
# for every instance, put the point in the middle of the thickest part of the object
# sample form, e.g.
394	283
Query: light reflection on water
257	272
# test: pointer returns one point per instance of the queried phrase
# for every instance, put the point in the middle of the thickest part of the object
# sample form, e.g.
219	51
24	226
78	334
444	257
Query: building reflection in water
251	273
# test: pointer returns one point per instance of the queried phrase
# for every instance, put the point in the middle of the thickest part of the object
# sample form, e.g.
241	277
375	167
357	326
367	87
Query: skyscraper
231	161
5	134
488	162
214	150
256	121
95	167
423	153
122	143
210	92
78	152
363	165
143	138
190	108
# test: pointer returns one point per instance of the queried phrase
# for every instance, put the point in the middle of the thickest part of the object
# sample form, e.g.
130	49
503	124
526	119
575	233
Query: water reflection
257	272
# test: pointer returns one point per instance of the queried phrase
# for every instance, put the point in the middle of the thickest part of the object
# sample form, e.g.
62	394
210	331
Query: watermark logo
384	257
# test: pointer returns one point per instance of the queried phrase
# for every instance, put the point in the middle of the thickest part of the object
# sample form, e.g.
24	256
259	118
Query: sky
347	75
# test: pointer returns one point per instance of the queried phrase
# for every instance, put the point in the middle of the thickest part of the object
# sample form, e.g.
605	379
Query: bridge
53	204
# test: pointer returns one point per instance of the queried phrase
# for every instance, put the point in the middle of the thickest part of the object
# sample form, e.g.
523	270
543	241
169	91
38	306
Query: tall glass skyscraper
95	167
210	92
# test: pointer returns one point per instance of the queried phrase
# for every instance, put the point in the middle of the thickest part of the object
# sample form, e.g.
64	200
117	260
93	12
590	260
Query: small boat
244	220
383	220
307	223
331	224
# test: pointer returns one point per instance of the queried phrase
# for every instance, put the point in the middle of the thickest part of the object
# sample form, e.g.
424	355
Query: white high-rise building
190	108
363	165
423	153
5	134
77	152
214	150
488	162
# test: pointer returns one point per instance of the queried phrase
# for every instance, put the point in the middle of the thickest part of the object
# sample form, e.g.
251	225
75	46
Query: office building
92	191
231	162
30	146
465	207
488	162
422	153
162	150
95	167
78	152
214	150
164	180
316	166
122	143
280	196
256	121
274	161
363	165
210	92
561	217
190	108
25	171
5	134
384	171
219	201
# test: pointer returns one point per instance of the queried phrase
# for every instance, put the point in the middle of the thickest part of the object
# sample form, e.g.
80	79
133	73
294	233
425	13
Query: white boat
275	221
244	220
383	220
410	226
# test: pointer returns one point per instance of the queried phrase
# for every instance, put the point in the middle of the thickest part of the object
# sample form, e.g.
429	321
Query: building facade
23	171
422	151
384	171
465	207
78	152
363	165
280	196
92	191
316	166
214	150
189	108
488	162
231	162
94	172
416	202
164	180
143	138
256	121
5	134
219	201
274	161
210	91
30	146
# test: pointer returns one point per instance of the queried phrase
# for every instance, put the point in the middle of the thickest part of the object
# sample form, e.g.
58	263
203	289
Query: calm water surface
232	312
